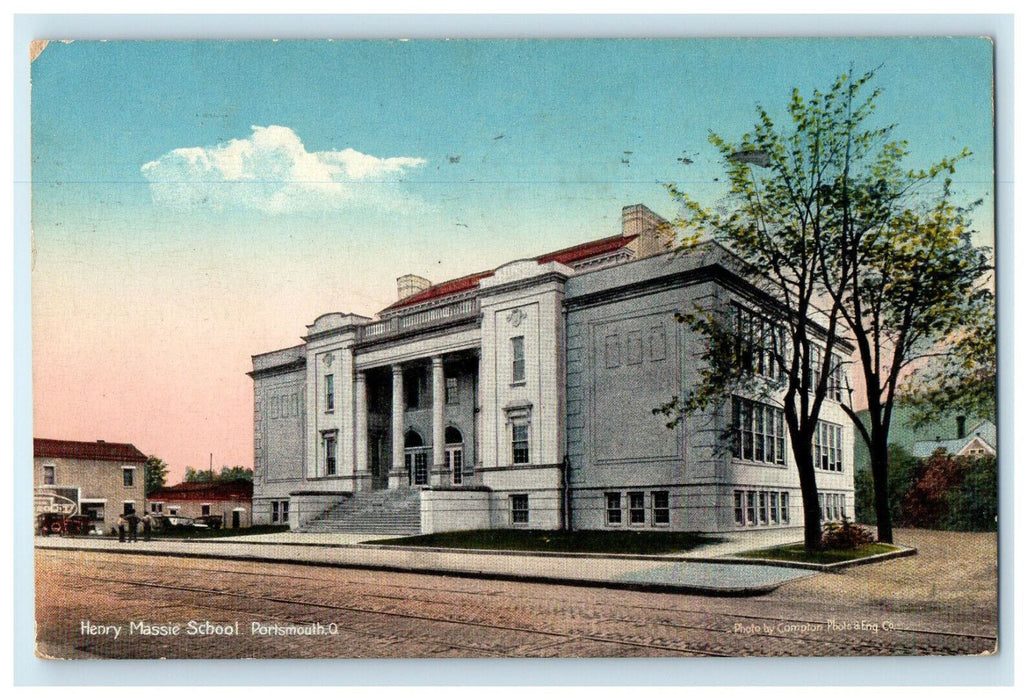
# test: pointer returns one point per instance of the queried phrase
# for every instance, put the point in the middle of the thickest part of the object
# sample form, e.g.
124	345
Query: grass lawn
198	533
606	542
796	552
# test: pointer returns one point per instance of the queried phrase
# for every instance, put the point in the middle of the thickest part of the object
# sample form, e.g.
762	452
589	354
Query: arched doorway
416	458
455	454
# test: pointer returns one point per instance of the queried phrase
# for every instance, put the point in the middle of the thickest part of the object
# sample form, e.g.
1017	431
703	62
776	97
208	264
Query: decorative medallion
516	317
328	359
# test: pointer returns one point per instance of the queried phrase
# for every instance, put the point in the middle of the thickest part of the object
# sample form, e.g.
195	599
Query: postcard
514	348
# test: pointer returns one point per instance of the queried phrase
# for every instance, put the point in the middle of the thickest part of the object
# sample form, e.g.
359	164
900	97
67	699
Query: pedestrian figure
121	523
134	523
147	527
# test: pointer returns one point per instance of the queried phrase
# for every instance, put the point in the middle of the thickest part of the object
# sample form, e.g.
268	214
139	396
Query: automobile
213	522
171	522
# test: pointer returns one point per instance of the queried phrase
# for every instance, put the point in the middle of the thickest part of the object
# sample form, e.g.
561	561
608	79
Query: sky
196	203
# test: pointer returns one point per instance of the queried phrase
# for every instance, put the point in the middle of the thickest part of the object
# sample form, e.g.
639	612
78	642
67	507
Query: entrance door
235	519
455	455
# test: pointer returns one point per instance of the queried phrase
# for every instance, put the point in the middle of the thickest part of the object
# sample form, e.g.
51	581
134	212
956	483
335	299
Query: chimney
654	236
409	285
961	424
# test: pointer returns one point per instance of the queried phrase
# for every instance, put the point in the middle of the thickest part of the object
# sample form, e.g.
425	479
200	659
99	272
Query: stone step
379	512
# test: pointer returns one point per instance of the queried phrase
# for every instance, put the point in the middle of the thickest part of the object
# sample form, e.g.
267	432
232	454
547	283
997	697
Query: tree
193	475
197	476
963	380
155	472
902	275
234	473
779	220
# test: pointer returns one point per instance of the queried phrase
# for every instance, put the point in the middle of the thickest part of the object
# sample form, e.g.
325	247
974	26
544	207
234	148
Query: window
519	442
328	383
94	511
758	433
660	507
49	474
637	513
759	343
156	507
827	453
127	476
206	509
517	348
760	507
275	512
330	452
455	454
284	510
174	510
452	390
519	509
613	503
128	507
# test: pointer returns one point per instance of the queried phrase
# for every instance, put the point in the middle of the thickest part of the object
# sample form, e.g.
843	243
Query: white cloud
273	172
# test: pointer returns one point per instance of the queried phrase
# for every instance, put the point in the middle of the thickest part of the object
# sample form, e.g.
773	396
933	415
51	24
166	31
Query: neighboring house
958	435
523	397
978	441
231	500
105	479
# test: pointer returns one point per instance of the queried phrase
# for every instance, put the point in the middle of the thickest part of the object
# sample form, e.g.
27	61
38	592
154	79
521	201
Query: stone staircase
394	512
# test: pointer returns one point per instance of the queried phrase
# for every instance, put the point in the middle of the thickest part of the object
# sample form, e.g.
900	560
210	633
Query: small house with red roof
524	397
103	479
229	500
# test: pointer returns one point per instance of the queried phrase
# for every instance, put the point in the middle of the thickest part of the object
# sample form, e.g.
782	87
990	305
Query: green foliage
155	472
864	511
963	379
198	476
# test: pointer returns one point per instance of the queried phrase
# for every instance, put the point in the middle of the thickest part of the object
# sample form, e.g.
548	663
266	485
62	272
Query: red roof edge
99	450
564	256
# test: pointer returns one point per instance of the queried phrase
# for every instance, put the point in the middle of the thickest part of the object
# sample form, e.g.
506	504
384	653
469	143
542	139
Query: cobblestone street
92	604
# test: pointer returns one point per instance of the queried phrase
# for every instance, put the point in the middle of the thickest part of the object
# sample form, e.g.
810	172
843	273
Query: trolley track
906	639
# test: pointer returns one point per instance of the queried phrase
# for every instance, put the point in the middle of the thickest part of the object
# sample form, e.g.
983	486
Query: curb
689	589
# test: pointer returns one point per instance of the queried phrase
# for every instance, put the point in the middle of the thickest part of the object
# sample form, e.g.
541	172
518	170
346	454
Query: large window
613	504
452	390
758	432
760	508
49	474
519	442
827	453
330	453
833	506
759	342
517	348
127	476
414	388
637	513
328	387
519	509
659	508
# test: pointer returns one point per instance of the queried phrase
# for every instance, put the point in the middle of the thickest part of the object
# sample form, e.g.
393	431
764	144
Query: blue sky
444	157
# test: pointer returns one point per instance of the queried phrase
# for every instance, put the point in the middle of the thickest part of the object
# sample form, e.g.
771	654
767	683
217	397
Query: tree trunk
881	496
802	451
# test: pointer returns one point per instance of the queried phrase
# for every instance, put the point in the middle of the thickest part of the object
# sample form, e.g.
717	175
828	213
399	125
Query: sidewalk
697	572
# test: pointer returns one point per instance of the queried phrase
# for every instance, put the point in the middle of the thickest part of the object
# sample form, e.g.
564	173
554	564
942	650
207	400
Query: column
397	476
438	421
362	434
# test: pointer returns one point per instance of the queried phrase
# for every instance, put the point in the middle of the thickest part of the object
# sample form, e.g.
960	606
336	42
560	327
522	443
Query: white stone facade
524	398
